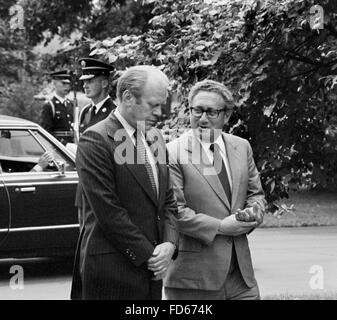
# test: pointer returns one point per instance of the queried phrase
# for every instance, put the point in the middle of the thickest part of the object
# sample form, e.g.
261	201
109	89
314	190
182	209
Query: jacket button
158	218
127	251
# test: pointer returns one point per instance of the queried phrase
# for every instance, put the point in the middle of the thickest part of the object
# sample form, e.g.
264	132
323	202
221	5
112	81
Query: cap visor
87	76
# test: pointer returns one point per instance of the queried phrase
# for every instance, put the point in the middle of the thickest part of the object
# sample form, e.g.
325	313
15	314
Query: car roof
7	121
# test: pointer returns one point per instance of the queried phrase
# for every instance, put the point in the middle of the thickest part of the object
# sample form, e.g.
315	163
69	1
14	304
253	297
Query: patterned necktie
221	170
92	112
143	158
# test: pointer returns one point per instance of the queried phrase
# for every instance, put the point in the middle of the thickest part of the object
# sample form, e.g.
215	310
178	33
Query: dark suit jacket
202	204
123	219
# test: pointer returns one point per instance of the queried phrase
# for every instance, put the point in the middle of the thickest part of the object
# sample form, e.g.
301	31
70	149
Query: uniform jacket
61	120
84	118
204	256
123	220
58	117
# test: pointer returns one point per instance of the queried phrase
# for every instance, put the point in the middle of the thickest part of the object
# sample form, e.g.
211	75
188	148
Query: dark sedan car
37	213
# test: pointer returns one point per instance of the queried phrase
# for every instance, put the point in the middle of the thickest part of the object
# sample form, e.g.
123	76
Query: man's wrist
220	229
37	168
175	250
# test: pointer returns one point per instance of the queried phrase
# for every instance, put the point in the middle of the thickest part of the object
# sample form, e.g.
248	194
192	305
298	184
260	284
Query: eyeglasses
211	113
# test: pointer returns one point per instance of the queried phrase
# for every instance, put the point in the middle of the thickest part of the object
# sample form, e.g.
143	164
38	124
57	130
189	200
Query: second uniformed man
57	112
95	76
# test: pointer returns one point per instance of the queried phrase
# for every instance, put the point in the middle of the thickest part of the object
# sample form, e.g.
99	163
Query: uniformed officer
57	112
95	76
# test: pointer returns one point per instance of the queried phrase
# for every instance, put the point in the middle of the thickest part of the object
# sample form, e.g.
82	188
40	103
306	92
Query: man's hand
45	159
250	214
230	226
160	259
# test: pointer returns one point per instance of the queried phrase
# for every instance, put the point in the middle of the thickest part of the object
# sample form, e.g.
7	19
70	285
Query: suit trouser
234	288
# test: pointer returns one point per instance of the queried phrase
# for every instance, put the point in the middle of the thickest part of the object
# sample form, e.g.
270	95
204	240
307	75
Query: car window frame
61	148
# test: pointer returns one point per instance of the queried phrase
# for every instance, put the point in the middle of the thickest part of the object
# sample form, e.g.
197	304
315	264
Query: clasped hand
160	259
242	221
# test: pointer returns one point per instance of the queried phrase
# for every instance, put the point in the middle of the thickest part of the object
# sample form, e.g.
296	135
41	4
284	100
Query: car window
20	151
59	155
19	143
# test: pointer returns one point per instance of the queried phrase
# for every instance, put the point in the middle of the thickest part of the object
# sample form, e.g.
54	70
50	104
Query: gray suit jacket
204	255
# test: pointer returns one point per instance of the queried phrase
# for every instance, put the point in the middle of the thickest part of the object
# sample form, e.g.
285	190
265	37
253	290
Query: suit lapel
201	162
122	143
234	160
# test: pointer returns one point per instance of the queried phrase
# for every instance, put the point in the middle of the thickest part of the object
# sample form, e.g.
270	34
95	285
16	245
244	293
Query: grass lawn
312	208
317	296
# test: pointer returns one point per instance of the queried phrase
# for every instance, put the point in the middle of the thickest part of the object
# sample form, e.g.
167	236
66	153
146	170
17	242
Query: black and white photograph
168	151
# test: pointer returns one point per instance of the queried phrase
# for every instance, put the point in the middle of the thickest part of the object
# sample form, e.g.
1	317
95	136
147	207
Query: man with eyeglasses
220	200
57	113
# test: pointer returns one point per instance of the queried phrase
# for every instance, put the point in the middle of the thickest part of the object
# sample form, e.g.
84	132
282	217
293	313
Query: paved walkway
295	260
282	258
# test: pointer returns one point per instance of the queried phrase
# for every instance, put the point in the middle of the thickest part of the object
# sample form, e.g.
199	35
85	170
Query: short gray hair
212	86
134	80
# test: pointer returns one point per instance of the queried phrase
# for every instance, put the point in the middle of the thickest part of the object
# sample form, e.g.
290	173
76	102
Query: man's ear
228	114
105	83
128	98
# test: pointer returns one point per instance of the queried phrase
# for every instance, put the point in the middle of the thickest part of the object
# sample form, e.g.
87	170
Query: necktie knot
214	147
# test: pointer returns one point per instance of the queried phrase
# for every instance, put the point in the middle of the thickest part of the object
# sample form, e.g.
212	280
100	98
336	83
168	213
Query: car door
43	218
4	210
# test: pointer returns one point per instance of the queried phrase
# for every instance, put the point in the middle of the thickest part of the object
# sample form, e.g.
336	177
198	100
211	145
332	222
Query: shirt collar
59	98
129	129
206	145
100	104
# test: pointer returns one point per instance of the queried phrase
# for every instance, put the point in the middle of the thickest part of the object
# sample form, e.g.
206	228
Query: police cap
93	67
63	75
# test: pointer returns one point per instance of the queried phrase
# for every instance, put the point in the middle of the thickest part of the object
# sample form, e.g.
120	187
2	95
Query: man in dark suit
95	77
129	233
220	200
57	113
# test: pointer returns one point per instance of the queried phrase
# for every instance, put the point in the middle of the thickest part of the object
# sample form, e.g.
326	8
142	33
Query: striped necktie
221	170
143	159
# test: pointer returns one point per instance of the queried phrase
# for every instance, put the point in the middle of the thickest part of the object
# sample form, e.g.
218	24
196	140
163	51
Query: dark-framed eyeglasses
211	113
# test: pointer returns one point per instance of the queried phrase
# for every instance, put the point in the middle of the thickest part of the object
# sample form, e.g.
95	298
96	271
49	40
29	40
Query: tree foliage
279	60
94	19
279	64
